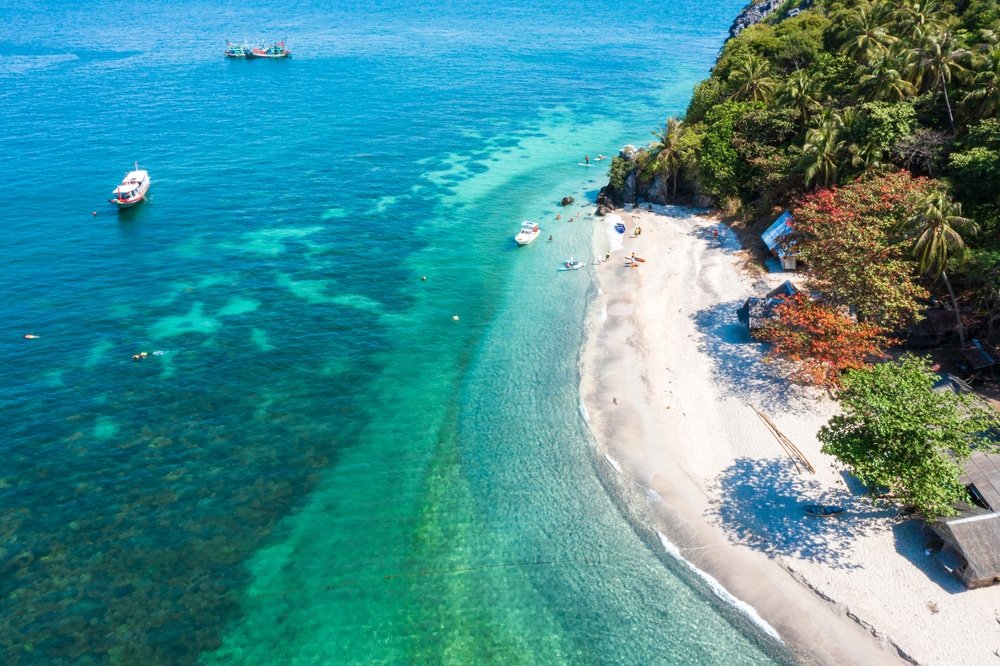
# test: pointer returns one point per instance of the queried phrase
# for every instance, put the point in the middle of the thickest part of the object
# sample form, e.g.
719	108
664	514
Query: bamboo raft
793	451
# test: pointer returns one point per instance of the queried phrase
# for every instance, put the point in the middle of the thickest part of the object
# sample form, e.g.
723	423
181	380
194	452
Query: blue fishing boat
234	50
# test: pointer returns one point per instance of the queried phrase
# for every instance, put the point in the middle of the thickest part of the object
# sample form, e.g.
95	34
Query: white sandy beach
670	379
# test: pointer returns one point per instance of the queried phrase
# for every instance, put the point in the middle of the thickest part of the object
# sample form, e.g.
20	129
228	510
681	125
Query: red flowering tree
850	238
820	342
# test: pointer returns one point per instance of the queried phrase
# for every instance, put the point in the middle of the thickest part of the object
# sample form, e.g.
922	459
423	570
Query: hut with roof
778	240
971	539
982	359
757	311
971	545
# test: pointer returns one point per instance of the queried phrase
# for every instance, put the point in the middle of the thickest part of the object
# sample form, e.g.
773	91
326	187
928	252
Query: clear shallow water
323	464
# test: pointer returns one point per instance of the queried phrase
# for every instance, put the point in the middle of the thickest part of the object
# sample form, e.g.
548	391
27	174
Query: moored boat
276	50
571	265
132	189
529	232
823	510
236	50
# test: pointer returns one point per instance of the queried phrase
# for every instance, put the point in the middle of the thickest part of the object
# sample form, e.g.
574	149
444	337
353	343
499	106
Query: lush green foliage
898	433
846	91
719	165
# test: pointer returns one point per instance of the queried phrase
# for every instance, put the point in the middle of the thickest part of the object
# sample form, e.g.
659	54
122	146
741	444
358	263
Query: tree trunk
947	103
954	305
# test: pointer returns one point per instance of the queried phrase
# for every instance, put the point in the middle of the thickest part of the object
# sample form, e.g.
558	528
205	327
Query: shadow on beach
739	367
911	541
717	236
760	505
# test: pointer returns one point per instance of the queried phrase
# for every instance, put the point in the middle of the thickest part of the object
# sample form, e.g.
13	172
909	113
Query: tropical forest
875	124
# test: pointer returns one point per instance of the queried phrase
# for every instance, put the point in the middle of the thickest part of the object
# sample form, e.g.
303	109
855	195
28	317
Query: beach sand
670	380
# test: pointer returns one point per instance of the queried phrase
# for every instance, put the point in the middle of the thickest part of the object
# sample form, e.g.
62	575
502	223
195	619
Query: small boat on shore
276	50
529	232
823	510
132	189
620	228
236	50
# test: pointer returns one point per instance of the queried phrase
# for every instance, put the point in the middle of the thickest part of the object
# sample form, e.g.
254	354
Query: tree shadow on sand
760	503
738	363
718	236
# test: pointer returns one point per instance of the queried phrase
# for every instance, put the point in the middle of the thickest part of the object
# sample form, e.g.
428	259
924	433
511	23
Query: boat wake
722	593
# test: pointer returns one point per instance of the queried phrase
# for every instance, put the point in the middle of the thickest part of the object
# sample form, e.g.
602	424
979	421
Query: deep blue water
323	464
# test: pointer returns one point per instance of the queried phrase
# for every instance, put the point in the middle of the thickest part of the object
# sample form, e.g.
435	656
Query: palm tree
665	152
800	93
862	32
883	80
867	156
935	229
934	62
751	80
985	92
821	152
913	20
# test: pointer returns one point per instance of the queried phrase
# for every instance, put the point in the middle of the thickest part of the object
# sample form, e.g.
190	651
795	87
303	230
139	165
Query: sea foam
749	611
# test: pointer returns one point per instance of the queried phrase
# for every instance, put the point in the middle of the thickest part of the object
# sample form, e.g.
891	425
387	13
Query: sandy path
669	379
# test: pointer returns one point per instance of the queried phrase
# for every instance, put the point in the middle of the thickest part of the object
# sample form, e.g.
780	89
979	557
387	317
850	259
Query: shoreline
670	382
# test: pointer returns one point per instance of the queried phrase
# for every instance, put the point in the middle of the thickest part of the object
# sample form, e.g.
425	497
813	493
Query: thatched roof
975	534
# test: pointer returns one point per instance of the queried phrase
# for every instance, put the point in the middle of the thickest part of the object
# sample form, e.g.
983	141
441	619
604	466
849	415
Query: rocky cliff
756	12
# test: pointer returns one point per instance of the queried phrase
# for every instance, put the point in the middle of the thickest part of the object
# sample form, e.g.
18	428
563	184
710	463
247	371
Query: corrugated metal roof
775	234
980	354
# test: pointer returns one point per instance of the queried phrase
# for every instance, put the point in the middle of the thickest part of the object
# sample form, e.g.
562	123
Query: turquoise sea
317	462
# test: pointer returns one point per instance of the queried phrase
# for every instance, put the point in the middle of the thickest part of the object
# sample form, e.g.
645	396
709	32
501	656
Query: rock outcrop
633	189
756	12
566	201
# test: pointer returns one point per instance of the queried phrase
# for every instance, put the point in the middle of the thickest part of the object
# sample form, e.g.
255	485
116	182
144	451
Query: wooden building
778	240
971	549
758	310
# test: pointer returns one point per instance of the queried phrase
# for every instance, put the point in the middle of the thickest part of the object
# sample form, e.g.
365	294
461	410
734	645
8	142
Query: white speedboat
133	188
529	232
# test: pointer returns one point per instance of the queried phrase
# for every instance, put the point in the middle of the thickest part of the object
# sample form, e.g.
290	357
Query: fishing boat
133	188
234	50
276	50
529	232
823	510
